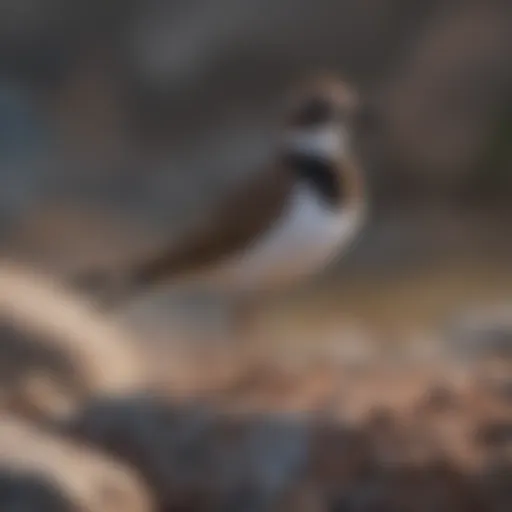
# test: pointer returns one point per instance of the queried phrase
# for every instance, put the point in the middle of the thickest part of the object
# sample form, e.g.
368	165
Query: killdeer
287	222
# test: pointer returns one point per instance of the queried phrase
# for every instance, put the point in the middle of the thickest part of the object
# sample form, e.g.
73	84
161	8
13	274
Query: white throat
325	141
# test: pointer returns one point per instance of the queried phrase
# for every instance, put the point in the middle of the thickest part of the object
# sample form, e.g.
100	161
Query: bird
282	225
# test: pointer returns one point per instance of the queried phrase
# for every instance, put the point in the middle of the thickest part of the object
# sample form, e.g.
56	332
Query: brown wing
247	213
236	222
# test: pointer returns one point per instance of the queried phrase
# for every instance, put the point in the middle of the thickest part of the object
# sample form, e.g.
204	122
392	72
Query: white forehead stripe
323	142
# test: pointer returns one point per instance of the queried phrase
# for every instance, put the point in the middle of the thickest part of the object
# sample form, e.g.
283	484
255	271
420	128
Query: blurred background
122	122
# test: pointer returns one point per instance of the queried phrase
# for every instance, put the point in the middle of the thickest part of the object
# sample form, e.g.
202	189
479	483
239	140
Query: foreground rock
42	472
377	439
197	458
54	350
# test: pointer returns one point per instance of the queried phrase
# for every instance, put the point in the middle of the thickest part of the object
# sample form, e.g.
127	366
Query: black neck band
320	173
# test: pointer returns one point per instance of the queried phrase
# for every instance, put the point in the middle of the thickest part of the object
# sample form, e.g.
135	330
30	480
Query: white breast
324	141
304	239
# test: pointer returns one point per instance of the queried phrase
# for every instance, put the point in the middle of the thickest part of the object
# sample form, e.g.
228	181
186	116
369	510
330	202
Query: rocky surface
324	432
381	440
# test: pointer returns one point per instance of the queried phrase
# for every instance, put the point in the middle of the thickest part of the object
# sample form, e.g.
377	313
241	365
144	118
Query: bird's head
320	117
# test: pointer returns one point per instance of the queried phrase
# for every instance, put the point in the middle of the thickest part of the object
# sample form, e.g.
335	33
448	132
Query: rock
39	465
26	491
55	350
193	457
481	334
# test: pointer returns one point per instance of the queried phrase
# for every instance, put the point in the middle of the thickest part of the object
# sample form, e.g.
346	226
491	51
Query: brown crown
321	99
